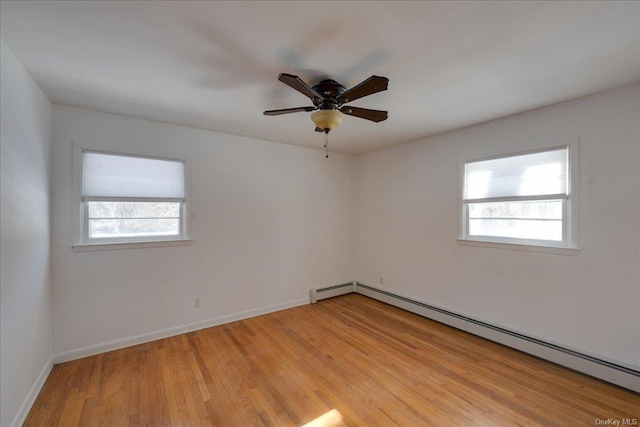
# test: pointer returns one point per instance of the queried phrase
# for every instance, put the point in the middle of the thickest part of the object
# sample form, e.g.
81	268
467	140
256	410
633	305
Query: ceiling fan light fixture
327	119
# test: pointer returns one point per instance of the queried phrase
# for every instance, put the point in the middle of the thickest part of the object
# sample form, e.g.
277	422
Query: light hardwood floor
349	360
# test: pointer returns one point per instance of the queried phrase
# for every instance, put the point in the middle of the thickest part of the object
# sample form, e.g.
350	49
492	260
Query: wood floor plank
348	360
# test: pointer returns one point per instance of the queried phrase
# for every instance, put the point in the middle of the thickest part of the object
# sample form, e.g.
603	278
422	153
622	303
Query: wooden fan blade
365	113
297	83
288	110
372	85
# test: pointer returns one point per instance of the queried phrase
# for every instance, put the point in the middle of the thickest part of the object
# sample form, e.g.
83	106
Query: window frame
570	204
82	241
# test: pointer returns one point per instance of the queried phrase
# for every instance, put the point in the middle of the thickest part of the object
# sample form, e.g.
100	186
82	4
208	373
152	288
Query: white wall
269	222
407	225
25	290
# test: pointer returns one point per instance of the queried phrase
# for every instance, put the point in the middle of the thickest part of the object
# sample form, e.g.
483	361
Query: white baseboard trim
610	371
28	402
169	332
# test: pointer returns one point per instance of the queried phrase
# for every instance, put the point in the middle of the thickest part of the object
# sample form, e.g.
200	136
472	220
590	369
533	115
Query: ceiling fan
329	97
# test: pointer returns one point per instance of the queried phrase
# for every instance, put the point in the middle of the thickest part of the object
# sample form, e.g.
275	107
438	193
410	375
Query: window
524	198
132	199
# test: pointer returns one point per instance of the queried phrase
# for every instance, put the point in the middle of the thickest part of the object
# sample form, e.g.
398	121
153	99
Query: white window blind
109	175
535	174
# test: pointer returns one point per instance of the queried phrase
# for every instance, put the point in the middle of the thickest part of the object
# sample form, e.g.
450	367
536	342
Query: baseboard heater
332	291
616	373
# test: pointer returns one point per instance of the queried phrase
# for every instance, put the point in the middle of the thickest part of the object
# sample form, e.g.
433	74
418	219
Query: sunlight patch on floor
332	418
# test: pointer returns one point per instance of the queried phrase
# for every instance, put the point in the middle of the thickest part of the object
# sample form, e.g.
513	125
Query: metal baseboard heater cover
332	291
613	372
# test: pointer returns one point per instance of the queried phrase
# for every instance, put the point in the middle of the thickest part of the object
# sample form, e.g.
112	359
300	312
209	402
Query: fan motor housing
331	90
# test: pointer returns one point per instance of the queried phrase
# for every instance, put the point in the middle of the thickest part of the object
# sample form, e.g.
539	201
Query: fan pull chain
326	143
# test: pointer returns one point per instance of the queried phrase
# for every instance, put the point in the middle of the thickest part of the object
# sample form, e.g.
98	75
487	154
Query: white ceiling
214	65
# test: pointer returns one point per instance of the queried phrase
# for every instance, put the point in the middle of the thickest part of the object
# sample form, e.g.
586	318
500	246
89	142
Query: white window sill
89	247
521	247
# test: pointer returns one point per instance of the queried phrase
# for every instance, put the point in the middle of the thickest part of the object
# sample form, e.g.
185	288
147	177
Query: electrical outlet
196	303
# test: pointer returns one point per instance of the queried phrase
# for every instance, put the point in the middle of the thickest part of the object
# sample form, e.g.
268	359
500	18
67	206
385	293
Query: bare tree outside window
109	219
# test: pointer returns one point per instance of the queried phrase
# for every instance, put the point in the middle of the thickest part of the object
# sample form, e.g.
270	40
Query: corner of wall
26	335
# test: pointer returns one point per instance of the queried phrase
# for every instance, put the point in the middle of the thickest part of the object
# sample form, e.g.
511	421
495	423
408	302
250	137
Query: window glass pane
536	220
132	219
534	174
110	175
538	209
132	227
134	209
